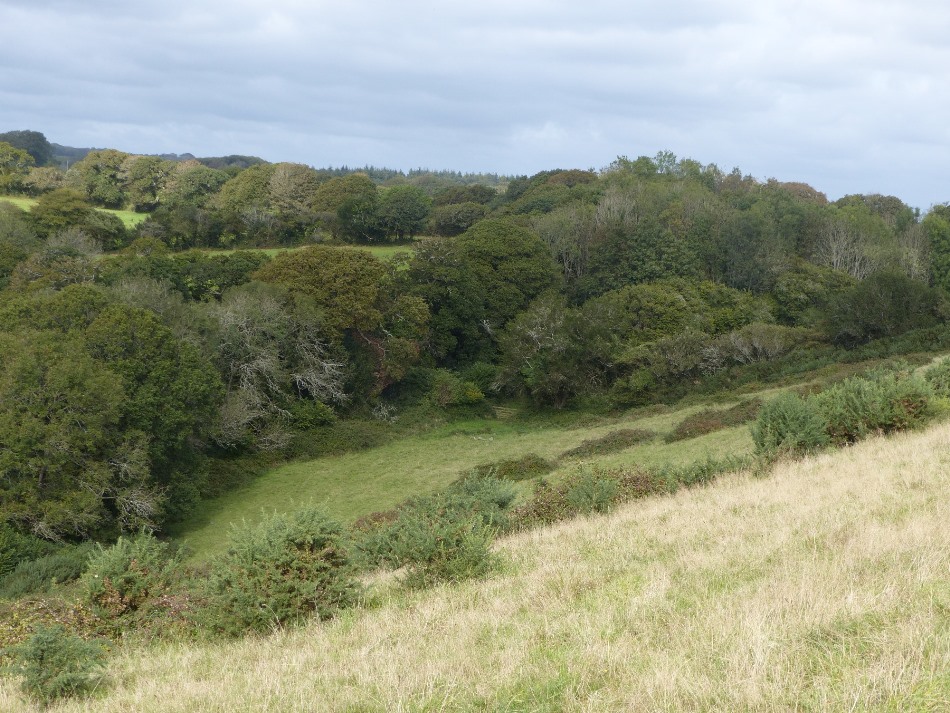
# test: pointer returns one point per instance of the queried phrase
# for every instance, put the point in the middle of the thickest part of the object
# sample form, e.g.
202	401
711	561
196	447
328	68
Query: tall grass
823	586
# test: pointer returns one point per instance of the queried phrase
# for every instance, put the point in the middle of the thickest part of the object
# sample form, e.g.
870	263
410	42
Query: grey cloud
847	95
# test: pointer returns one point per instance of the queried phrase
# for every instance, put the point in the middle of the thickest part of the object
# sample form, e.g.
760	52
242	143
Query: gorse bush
55	664
789	424
527	466
883	401
442	537
40	575
280	572
711	420
938	376
590	494
610	443
122	578
886	399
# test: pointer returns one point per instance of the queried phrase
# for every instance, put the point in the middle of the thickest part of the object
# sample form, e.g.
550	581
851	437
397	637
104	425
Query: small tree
55	664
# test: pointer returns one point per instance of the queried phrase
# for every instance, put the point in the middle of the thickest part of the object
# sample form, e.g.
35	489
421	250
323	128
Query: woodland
173	327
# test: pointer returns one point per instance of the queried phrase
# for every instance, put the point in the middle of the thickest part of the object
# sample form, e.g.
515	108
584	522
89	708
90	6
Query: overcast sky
851	96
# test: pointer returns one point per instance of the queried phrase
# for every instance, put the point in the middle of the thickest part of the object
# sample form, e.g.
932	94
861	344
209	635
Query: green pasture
129	218
348	486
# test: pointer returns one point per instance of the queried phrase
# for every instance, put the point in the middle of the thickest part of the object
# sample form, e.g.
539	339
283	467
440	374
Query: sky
850	96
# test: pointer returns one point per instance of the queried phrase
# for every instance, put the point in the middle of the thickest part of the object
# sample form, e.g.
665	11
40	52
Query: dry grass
823	587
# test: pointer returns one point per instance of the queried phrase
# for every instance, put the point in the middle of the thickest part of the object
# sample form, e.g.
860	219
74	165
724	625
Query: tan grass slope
822	587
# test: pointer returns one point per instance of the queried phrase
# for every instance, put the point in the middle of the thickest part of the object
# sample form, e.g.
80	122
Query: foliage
612	442
553	353
885	400
55	664
938	376
37	576
711	420
280	572
530	465
789	424
15	165
33	142
59	413
883	305
442	537
455	218
98	177
121	579
582	492
403	211
448	389
17	547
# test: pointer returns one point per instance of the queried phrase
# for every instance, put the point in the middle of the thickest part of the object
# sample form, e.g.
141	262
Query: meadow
354	484
820	586
129	218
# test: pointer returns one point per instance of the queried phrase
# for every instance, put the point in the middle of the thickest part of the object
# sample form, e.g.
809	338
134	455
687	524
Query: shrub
528	466
591	493
789	424
938	376
881	402
711	420
280	572
442	537
17	547
610	443
39	575
447	389
120	579
579	493
55	664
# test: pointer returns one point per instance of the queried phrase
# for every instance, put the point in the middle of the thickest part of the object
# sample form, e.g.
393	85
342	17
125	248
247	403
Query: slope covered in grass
355	484
824	585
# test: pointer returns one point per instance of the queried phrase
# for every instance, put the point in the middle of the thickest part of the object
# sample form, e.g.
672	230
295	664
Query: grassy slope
355	484
822	587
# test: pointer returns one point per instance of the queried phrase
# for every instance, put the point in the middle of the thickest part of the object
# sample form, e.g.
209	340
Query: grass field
383	252
129	218
355	484
824	586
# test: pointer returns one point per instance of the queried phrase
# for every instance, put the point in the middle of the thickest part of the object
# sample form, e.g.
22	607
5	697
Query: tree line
133	363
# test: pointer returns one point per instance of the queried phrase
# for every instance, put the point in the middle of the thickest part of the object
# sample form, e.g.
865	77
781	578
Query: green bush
280	572
610	443
39	575
789	424
447	389
527	466
55	664
442	537
122	578
883	401
711	420
17	547
592	493
579	493
938	376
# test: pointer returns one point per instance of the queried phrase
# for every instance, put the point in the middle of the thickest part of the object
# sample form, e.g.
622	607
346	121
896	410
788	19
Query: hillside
824	585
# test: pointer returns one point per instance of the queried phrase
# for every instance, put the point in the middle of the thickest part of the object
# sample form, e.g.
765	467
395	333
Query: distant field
129	218
351	485
383	252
